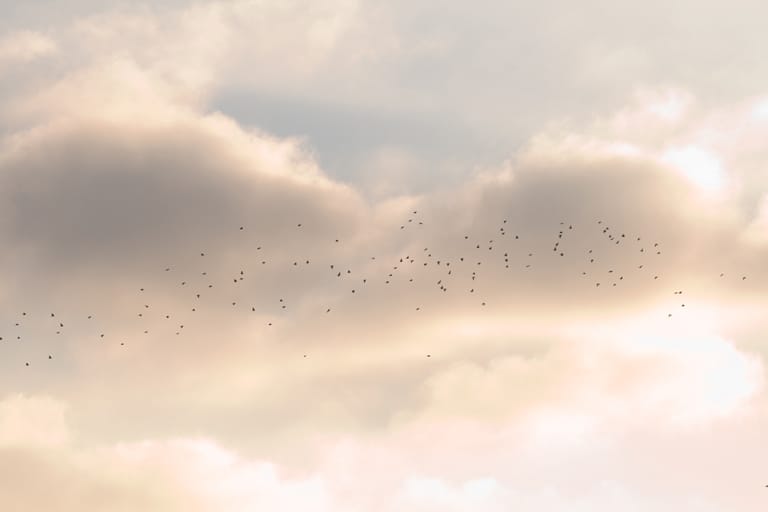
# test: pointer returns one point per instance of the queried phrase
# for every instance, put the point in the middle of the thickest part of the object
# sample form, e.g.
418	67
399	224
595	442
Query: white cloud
116	168
25	46
32	421
698	165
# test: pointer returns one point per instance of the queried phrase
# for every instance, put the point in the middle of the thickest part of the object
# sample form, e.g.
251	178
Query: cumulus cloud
24	46
536	470
520	383
178	474
38	421
92	192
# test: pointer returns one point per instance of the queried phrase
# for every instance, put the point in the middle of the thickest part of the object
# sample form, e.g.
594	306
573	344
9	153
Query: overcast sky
382	256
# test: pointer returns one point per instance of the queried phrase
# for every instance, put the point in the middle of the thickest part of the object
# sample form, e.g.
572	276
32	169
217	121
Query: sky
383	256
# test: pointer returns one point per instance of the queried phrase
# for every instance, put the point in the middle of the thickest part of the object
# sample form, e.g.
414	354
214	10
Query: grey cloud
97	210
96	203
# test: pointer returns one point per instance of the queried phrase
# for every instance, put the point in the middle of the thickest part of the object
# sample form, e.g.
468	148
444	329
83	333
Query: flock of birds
459	270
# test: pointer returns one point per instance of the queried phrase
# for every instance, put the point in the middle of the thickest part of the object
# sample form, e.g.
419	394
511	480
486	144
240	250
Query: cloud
37	421
507	379
25	46
179	474
103	200
631	378
391	471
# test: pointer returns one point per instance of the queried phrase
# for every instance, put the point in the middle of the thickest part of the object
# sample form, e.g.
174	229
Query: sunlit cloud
345	256
698	165
24	46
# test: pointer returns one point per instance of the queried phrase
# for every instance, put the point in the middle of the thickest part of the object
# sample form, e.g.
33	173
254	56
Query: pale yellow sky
420	258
